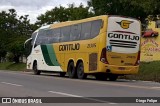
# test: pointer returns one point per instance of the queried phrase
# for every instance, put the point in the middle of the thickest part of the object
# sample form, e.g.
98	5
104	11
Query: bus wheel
101	76
62	74
113	77
80	71
71	70
36	71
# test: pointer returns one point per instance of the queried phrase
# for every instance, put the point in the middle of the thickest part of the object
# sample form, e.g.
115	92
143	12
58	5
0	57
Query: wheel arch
34	61
69	61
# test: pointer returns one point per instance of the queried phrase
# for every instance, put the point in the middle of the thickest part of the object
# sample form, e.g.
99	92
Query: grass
148	71
13	66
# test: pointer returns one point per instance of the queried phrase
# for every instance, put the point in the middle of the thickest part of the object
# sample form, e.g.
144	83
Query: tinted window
51	36
65	34
55	35
41	37
75	32
86	30
48	36
96	26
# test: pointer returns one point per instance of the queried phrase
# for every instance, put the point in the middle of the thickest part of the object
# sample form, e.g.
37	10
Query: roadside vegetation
13	66
148	71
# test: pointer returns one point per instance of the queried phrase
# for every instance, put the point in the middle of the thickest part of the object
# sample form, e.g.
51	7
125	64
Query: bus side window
86	30
95	29
75	32
55	35
50	37
41	39
65	34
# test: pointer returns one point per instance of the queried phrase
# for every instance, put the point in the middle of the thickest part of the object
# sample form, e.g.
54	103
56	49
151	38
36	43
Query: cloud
33	8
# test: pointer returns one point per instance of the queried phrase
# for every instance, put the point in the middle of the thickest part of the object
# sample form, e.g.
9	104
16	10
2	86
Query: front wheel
80	71
62	74
36	71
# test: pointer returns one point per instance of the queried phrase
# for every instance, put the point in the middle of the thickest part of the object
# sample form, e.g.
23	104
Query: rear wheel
80	71
36	71
71	70
113	77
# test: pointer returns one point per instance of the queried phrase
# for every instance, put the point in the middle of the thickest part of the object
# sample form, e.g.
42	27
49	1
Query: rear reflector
138	59
103	56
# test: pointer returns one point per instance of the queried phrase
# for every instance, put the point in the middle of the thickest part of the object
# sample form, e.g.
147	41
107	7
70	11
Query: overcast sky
33	8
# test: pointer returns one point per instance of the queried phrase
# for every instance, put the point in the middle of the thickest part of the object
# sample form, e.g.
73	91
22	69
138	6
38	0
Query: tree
133	8
14	31
61	14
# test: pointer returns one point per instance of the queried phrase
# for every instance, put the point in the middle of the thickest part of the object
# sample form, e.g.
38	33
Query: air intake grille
124	44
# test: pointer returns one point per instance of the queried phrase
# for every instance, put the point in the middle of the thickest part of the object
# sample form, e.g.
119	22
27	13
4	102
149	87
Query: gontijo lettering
69	47
123	36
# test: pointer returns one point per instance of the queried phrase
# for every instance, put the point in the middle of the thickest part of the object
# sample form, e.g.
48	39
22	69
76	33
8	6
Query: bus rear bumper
121	70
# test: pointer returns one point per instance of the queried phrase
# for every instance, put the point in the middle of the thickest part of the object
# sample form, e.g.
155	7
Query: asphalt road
25	84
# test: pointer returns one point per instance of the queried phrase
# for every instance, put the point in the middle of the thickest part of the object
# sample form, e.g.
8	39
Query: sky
34	8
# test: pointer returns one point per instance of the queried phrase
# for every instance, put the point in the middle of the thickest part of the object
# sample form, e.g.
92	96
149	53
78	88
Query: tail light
138	59
103	56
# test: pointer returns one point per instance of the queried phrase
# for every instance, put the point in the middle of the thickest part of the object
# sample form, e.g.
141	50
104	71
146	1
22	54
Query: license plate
121	68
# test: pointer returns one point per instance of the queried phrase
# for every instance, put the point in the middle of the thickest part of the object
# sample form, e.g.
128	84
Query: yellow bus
104	46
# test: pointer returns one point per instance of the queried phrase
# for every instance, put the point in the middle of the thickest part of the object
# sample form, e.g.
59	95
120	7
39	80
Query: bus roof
76	21
61	24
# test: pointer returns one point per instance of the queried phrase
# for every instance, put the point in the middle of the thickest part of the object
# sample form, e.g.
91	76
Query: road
25	84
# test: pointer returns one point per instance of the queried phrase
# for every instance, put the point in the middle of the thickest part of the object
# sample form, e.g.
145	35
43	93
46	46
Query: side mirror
27	42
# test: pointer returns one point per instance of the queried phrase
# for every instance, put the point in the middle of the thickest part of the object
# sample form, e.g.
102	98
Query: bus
105	46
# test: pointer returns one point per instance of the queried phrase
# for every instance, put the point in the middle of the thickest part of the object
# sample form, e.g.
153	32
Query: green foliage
9	57
149	71
61	14
133	8
13	66
14	31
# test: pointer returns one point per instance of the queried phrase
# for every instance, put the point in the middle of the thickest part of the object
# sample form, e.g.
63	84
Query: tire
71	70
101	76
62	74
113	77
80	71
36	71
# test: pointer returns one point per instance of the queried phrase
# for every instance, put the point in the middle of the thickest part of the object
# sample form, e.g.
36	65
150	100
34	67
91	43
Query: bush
9	57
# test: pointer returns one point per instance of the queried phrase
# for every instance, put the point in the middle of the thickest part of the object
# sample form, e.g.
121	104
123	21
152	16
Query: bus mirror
25	43
28	47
